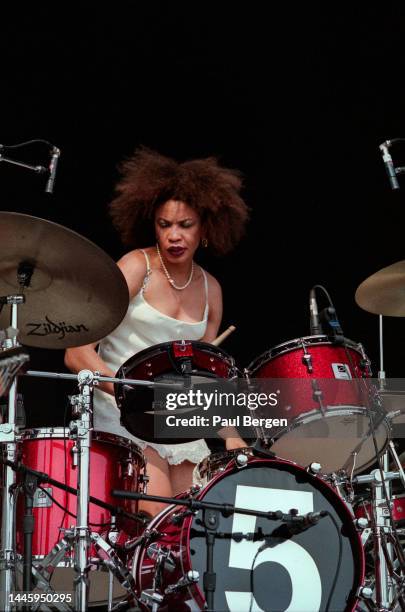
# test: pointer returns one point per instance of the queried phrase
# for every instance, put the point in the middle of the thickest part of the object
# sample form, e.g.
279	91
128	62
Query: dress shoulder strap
206	291
148	271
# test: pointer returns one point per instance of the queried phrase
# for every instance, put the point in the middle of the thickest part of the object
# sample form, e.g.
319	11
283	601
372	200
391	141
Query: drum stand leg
115	565
110	590
43	570
384	587
389	585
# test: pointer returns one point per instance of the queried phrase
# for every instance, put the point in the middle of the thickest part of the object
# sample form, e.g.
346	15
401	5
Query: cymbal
384	292
76	294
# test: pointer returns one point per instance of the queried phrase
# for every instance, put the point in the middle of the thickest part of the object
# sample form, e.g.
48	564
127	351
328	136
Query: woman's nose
174	233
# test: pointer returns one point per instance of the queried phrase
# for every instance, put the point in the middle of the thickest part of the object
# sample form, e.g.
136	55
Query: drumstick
224	335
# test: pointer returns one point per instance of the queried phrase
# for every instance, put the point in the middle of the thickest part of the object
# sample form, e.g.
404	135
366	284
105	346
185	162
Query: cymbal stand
8	438
389	586
386	540
381	373
82	428
83	409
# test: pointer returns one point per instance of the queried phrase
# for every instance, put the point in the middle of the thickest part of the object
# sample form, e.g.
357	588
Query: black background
298	99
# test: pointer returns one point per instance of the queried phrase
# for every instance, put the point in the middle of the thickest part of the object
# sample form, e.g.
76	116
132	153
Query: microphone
303	521
292	525
315	325
389	166
52	170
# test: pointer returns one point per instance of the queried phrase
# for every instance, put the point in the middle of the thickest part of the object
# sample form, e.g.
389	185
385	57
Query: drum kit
292	522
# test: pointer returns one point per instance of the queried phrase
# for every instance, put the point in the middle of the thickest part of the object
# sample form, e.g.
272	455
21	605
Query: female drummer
176	207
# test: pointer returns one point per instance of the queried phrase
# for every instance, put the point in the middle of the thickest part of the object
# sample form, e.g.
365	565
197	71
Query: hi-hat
75	292
384	292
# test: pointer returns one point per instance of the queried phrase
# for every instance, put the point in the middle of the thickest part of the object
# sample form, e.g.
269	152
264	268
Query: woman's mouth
176	251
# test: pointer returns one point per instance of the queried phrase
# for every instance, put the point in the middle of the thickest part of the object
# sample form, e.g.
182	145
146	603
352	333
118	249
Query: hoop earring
204	243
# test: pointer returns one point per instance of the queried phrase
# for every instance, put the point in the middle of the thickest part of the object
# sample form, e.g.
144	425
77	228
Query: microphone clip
331	323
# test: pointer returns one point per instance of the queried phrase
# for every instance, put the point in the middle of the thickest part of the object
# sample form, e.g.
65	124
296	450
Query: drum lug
317	395
314	468
194	489
365	592
241	460
307	361
361	523
113	533
127	468
74	452
178	517
365	363
143	480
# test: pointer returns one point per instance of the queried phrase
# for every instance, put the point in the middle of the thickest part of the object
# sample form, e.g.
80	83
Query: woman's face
178	231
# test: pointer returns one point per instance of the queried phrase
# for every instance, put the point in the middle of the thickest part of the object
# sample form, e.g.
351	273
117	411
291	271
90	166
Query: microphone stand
30	486
210	522
37	169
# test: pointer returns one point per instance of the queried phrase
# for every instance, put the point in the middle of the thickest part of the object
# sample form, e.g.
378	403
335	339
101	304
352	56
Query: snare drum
115	463
200	361
319	568
335	433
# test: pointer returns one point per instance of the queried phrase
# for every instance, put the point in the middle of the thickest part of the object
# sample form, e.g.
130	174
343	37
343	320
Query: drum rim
296	343
164	346
229	455
151	353
334	411
59	433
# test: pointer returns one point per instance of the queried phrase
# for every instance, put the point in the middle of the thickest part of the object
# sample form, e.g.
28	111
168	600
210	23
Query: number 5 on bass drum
278	572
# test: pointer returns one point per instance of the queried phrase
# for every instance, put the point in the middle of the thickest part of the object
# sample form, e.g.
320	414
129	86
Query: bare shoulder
214	288
133	266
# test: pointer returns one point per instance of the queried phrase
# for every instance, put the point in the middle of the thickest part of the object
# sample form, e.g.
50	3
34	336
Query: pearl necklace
169	278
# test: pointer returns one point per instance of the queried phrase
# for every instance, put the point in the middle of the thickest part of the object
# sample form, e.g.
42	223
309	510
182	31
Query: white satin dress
144	326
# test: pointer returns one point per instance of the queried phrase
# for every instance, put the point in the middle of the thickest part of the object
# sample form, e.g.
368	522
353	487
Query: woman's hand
232	443
232	438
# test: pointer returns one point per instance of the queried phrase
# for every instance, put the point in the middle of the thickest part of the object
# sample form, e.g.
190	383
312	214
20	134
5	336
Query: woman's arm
86	357
133	267
229	434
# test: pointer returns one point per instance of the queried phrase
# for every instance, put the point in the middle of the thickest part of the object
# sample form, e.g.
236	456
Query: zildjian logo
49	327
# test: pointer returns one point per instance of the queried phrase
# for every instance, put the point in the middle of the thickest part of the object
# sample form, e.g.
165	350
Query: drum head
318	568
160	363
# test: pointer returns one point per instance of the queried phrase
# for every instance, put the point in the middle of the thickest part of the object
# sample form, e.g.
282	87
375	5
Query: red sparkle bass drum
259	564
327	402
